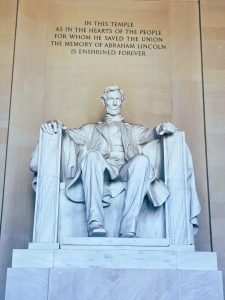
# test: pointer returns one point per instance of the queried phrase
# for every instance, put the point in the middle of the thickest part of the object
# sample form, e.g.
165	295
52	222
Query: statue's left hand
165	128
52	127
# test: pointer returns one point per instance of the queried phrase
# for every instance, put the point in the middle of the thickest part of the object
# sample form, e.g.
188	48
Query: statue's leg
92	174
138	172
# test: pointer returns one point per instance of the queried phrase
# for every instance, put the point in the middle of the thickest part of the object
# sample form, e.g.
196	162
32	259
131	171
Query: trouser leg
92	175
138	173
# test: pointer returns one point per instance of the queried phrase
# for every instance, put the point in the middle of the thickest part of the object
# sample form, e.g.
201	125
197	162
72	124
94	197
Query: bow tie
109	118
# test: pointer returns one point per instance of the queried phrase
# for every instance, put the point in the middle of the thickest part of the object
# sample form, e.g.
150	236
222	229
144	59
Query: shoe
97	232
128	235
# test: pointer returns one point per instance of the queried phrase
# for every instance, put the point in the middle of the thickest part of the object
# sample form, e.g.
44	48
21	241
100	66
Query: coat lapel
125	132
129	140
102	130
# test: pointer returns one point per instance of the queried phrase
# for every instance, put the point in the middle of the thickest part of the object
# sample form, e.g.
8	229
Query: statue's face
113	103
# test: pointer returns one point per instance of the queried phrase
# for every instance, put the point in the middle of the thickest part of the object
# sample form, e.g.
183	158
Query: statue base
113	268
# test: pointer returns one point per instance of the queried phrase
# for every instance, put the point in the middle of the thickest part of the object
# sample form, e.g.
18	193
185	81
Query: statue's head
113	98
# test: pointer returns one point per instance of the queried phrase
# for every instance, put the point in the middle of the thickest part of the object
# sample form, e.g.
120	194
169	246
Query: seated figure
110	157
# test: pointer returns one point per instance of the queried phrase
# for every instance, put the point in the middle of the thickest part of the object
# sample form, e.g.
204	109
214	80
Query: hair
112	88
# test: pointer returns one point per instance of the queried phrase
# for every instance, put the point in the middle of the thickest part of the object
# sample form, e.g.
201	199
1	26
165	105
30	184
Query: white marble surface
128	248
124	256
47	190
123	243
115	258
197	260
111	284
202	285
33	258
27	284
43	246
115	242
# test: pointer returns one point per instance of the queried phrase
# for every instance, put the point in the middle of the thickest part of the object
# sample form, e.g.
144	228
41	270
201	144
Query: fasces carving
143	176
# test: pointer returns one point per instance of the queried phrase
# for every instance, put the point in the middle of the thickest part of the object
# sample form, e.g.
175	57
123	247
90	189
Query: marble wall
213	46
48	82
8	13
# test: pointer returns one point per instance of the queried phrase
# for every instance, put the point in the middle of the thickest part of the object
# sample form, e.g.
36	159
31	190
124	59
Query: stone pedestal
106	268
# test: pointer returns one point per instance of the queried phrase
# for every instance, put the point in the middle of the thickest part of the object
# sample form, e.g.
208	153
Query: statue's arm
166	128
78	135
147	135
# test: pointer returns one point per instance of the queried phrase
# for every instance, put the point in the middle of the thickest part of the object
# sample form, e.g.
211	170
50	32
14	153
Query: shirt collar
109	118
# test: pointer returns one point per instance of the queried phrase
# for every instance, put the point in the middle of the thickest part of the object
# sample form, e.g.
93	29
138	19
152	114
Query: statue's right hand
52	127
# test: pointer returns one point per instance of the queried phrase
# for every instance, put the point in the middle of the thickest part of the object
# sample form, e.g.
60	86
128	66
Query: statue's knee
92	156
142	161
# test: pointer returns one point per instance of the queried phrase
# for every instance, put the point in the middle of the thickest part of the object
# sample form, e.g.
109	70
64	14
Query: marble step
114	256
112	284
